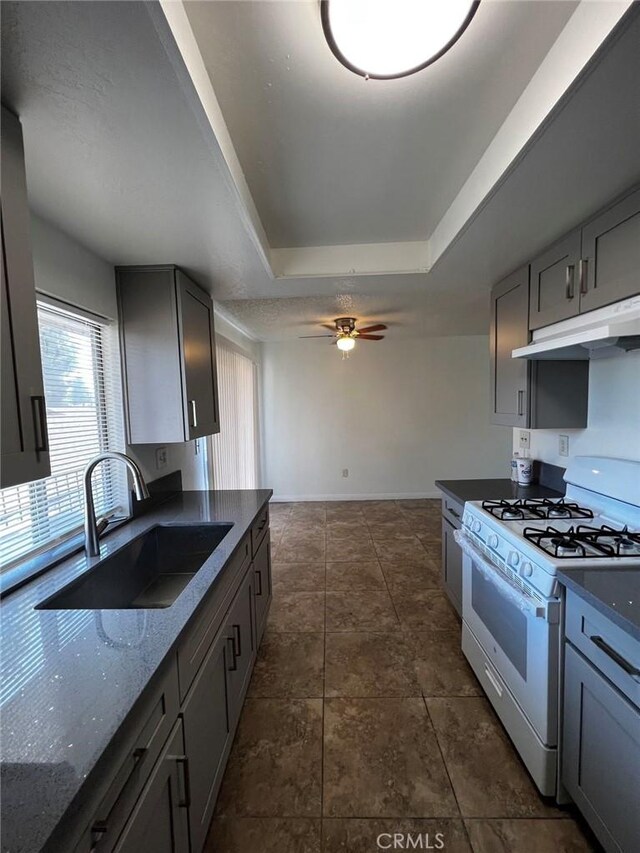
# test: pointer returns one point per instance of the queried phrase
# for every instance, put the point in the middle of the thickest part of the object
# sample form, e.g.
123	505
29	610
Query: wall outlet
161	458
563	445
345	472
525	436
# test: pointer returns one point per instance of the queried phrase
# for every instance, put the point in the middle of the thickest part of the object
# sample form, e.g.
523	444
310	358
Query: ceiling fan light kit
346	333
387	39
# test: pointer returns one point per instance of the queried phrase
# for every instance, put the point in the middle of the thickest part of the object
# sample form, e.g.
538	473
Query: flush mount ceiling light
386	39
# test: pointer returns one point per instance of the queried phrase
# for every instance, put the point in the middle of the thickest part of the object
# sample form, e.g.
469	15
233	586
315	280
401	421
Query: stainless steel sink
150	572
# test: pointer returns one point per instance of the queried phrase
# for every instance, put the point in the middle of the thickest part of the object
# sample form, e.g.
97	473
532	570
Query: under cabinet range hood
598	334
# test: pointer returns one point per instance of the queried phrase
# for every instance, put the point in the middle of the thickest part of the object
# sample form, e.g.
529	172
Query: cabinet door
199	359
509	329
241	646
451	565
554	292
611	255
25	455
601	754
159	819
262	581
206	734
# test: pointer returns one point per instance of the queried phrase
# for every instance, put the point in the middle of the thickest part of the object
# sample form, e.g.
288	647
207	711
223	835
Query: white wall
398	414
68	271
614	416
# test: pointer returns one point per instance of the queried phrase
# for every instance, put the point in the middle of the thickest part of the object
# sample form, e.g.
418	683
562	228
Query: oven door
519	633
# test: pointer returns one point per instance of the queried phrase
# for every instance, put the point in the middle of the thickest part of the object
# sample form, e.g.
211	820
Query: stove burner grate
585	541
525	509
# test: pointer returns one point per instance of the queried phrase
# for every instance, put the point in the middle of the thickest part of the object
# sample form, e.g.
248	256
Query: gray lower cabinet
262	582
159	821
168	356
451	552
207	736
601	754
611	255
160	790
554	292
23	431
241	645
530	394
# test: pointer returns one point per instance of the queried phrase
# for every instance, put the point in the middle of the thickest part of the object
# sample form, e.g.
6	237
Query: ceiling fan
345	332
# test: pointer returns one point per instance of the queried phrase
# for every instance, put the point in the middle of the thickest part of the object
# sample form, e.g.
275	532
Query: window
84	416
235	448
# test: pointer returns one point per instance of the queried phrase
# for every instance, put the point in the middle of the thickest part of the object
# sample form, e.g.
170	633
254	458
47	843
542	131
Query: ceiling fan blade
329	326
370	338
315	336
379	327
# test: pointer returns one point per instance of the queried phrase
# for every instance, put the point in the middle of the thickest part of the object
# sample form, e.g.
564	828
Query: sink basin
150	572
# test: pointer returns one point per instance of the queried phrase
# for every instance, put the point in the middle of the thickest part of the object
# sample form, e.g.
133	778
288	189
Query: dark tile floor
363	719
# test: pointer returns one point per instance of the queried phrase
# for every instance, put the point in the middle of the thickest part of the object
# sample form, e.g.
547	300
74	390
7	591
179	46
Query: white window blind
84	416
235	448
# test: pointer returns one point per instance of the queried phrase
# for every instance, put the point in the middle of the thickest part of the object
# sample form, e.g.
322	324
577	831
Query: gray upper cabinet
554	292
169	356
611	255
25	454
531	395
509	329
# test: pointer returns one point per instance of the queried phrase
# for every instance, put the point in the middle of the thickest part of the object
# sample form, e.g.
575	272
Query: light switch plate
161	458
563	445
345	472
525	436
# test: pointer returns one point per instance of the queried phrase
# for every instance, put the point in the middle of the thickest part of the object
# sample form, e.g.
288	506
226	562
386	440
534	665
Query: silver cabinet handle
629	668
520	402
583	272
570	279
40	422
194	413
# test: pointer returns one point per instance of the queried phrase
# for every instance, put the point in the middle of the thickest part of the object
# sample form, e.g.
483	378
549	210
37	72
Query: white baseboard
388	496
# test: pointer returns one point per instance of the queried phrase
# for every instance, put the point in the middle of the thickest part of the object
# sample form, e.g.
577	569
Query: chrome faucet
93	528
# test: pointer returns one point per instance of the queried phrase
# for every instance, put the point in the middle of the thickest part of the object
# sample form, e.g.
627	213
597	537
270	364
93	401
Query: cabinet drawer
195	645
614	652
259	529
135	764
452	510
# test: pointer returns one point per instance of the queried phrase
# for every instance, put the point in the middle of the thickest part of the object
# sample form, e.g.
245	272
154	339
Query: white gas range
511	599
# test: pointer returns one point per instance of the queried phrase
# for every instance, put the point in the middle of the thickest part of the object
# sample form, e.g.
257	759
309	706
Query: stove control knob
514	558
477	527
526	570
493	541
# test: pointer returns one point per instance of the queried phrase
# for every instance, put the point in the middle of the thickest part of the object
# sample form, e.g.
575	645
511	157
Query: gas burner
616	543
585	541
529	509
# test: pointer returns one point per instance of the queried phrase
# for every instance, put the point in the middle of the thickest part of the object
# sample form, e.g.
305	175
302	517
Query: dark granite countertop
614	592
488	490
71	677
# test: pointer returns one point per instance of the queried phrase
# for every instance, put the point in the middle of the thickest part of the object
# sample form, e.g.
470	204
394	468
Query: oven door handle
493	574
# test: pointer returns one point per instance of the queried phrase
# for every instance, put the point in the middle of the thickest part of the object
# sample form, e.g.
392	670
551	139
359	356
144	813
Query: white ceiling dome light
385	39
345	344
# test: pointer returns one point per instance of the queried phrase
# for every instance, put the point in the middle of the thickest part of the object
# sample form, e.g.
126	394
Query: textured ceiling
119	157
331	158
